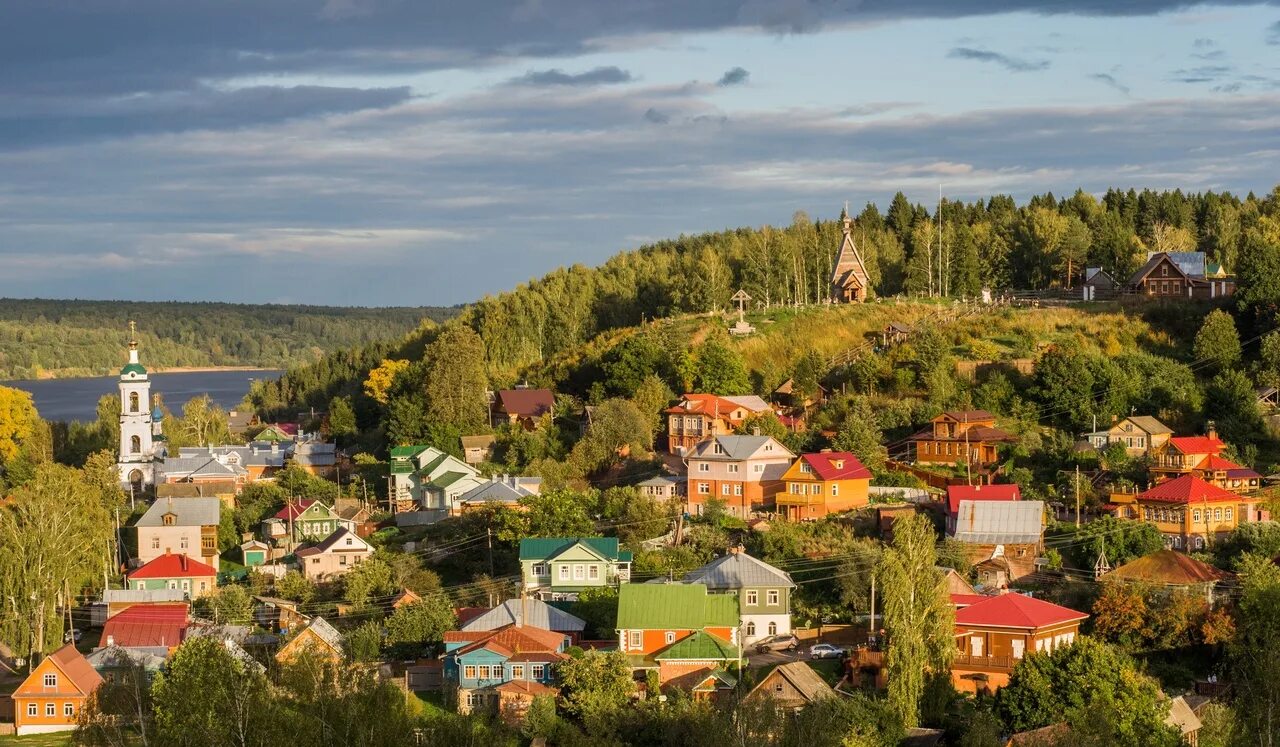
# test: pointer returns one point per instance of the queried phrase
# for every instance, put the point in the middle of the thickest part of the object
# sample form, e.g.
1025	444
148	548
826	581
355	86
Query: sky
407	152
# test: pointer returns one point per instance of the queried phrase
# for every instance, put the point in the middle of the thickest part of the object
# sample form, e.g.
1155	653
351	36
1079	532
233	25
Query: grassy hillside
45	338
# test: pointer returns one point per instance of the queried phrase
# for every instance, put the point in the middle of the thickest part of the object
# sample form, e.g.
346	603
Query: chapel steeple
849	280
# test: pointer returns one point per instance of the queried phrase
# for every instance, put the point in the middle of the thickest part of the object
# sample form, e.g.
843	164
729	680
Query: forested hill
994	242
40	337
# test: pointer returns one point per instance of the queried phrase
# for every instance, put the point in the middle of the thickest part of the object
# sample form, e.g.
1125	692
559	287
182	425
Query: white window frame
50	680
469	672
517	671
541	569
753	596
68	710
50	710
593	572
737	489
564	573
33	710
757	468
733	468
635	639
773	598
704	467
835	490
579	572
670	637
538	671
773	628
724	488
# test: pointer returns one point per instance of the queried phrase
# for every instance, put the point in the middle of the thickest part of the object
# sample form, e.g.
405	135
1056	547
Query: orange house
994	633
697	417
1189	511
52	696
825	483
677	630
960	436
1201	456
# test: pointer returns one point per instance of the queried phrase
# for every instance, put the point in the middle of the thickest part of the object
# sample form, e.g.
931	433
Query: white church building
139	423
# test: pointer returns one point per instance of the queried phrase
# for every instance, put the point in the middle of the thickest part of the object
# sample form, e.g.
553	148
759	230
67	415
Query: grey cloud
417	186
1203	43
871	108
1228	87
733	77
1014	64
654	116
68	119
1111	81
1201	74
1273	33
555	77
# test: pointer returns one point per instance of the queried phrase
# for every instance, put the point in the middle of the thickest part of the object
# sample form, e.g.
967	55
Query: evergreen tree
1217	342
719	368
456	381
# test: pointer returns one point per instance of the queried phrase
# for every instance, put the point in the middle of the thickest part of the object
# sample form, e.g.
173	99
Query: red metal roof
1186	489
836	465
1215	462
1015	611
293	509
708	404
1197	444
147	625
957	493
174	566
966	600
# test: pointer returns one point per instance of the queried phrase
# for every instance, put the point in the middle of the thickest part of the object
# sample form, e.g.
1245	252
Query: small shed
254	553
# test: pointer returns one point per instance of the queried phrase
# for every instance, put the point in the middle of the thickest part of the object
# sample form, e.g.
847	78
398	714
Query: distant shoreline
57	376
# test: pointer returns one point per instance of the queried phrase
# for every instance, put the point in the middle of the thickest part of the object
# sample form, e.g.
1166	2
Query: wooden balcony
983	663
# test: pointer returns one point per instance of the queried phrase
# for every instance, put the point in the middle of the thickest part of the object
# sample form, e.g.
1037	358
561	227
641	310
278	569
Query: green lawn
830	670
60	739
427	705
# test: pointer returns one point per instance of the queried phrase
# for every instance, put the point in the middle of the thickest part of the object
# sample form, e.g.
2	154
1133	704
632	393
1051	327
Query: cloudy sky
381	152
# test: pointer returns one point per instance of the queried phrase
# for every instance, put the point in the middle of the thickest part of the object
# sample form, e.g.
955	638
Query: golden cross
133	329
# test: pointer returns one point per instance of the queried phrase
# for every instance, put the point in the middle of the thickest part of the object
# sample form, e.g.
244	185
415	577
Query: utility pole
871	624
1077	496
488	537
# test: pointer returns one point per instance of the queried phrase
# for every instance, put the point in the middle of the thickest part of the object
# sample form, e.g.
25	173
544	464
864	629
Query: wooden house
828	482
960	436
1188	511
994	633
793	686
522	406
677	629
317	638
1098	283
502	670
51	697
1171	569
1140	434
1004	537
334	555
1180	275
763	593
558	568
477	449
697	417
193	578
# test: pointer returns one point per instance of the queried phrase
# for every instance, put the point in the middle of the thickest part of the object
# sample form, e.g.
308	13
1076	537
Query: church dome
157	413
133	370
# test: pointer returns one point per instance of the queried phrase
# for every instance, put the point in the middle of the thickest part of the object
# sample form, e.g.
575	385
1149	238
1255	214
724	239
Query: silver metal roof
540	614
189	512
143	596
738	571
1000	522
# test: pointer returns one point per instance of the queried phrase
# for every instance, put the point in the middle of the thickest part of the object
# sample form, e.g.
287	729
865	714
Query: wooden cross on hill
741	299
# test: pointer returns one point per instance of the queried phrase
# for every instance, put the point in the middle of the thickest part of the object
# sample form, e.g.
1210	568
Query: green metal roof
447	479
426	470
701	647
541	548
405	452
133	368
674	607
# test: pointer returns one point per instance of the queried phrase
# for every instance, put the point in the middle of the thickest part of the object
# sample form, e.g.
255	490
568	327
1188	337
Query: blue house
502	670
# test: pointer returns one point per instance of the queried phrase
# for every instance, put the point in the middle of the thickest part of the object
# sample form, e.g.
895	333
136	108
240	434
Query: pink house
333	556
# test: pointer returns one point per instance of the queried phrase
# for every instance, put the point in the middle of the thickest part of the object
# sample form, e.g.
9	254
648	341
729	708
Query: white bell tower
137	450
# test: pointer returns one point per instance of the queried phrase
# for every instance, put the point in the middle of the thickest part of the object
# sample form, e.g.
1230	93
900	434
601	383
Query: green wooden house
557	568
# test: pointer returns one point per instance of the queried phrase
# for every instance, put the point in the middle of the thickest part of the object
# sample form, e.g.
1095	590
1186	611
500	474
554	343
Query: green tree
296	587
234	706
806	376
1086	676
597	606
364	642
367	580
229	605
861	436
719	368
595	684
1217	342
456	380
617	427
421	625
918	615
1253	658
342	419
559	513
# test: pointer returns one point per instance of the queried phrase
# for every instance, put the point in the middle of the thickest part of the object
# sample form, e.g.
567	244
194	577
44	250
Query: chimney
825	451
1212	429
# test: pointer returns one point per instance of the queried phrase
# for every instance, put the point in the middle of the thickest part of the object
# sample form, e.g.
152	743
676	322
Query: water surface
77	399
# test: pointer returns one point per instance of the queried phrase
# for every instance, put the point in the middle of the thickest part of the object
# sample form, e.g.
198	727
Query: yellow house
1188	511
828	482
318	637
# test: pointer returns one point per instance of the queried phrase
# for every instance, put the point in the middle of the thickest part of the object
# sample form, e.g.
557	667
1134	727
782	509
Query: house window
704	488
670	637
182	543
733	468
186	585
975	645
68	710
704	467
737	489
538	671
517	671
753	596
173	584
483	671
33	710
209	544
751	628
50	710
1196	514
1199	543
724	489
772	597
564	573
635	639
1217	514
539	569
593	572
469	672
155	543
349	542
140	585
579	572
342	560
1229	514
768	447
835	490
51	680
757	468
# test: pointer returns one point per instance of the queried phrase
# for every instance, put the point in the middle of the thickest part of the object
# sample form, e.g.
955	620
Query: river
77	399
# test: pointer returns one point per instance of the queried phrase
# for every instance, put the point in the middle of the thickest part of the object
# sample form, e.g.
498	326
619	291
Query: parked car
75	634
825	651
777	643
